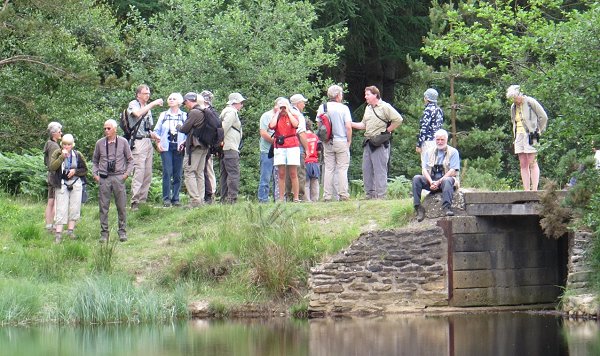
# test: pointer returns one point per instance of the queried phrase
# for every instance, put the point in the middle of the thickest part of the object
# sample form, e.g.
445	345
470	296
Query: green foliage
483	173
23	173
588	183
399	188
554	216
300	310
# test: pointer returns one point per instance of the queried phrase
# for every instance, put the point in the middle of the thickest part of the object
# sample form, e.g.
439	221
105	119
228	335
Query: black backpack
124	124
211	133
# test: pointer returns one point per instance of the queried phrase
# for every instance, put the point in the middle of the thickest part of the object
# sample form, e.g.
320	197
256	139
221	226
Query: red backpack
324	131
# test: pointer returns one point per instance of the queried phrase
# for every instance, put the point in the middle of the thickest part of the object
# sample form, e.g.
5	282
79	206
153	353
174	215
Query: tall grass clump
114	299
278	254
28	232
103	258
19	301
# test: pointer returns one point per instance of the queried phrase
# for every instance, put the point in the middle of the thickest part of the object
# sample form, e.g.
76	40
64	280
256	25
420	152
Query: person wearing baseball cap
230	159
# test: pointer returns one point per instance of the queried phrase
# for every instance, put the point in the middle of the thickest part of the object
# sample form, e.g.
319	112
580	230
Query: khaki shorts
522	144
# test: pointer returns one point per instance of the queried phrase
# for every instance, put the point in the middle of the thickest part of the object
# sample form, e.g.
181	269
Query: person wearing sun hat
529	121
230	158
73	169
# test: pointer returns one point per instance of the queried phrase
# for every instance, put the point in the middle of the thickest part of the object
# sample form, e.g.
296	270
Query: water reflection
475	334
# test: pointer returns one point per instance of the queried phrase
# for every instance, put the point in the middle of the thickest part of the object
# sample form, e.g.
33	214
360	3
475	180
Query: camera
69	187
111	166
534	137
280	140
437	171
172	137
147	126
65	174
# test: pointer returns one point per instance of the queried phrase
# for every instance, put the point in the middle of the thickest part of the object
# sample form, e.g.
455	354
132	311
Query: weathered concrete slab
473	297
504	278
496	259
474	224
507	197
487	209
499	242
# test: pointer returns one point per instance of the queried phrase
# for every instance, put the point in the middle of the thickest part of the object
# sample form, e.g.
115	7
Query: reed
20	301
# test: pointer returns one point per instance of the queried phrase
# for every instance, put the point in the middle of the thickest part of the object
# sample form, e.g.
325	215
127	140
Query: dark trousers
230	176
172	164
419	183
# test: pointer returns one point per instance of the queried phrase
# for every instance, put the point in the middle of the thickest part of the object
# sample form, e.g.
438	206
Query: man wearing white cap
431	121
230	159
298	102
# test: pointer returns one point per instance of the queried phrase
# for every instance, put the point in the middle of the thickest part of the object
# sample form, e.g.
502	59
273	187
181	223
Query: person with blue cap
431	121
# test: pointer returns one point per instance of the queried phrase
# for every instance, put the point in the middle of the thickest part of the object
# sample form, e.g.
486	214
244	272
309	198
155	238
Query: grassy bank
226	255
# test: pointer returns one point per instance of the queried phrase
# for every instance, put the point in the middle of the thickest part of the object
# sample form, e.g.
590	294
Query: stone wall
383	272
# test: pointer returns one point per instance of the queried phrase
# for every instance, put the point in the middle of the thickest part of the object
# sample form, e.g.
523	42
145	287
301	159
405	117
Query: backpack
324	131
124	124
211	133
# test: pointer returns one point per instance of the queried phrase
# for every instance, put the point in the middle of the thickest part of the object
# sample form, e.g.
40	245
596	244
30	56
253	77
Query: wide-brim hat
235	98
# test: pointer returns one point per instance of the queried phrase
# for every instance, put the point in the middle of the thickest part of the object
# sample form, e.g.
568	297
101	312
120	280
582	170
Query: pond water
505	333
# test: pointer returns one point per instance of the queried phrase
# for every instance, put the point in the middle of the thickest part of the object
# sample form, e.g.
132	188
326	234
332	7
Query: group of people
441	162
67	170
289	151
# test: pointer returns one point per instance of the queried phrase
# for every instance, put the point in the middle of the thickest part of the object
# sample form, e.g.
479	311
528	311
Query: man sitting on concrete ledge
439	173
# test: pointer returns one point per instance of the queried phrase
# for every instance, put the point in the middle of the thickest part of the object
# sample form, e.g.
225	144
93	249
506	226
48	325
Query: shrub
399	188
23	174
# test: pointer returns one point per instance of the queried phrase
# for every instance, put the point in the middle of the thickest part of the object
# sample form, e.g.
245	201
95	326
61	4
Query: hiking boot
176	204
103	239
420	213
448	212
167	204
191	206
134	206
123	238
57	238
71	234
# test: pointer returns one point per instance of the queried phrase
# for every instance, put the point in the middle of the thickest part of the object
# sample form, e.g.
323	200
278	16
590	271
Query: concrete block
504	296
504	259
505	278
503	209
504	197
